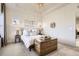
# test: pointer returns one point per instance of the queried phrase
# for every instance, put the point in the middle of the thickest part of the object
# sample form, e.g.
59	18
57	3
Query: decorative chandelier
40	6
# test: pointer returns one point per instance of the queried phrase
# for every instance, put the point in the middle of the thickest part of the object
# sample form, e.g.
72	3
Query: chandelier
40	6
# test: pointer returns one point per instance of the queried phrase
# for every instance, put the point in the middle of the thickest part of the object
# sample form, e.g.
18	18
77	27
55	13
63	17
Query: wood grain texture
46	46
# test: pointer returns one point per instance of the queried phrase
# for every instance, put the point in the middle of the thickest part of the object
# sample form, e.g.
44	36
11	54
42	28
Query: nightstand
17	38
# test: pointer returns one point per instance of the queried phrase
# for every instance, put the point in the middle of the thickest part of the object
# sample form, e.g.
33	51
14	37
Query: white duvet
29	40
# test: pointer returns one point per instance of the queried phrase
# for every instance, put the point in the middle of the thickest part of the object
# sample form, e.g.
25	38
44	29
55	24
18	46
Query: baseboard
10	42
67	45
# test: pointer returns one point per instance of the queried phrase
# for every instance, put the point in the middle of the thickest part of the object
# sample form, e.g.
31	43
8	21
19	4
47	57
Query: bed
29	38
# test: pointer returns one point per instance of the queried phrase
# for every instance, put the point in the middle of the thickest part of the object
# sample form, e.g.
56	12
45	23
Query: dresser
46	46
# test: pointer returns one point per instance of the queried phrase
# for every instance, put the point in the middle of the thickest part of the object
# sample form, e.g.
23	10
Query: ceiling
28	11
32	7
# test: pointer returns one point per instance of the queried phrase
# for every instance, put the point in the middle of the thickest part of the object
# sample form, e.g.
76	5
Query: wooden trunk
45	47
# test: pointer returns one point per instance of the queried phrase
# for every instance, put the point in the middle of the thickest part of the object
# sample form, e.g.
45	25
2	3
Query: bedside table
46	46
17	37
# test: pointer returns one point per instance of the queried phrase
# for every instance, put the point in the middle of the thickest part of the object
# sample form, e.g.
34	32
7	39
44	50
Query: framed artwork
15	21
53	25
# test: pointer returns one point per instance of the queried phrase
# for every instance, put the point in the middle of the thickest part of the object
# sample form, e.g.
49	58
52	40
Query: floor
19	49
77	41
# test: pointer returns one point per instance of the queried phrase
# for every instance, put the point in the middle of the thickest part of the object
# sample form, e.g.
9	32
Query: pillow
33	32
25	33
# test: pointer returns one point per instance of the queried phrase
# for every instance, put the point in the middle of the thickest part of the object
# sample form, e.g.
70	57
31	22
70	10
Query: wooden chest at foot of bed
46	46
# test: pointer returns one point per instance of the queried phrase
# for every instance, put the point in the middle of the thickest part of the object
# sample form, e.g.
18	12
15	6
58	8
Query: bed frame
31	47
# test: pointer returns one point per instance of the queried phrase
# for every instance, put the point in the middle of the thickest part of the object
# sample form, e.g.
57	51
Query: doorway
77	31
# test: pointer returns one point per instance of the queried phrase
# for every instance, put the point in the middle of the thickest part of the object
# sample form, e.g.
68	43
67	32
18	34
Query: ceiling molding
57	8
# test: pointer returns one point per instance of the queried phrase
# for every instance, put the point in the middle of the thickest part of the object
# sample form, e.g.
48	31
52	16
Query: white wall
65	24
23	14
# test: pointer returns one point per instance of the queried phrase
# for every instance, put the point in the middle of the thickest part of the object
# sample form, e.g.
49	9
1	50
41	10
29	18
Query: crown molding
57	8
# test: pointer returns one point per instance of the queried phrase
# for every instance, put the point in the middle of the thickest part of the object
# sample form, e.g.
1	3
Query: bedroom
55	20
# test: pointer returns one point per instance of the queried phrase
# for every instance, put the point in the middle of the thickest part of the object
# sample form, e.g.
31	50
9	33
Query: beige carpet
77	41
19	49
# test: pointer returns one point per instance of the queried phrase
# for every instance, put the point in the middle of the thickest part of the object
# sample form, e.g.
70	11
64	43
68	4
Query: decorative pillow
26	33
33	32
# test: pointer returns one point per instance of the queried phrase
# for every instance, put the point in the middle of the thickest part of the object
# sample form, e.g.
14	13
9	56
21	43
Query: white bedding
29	40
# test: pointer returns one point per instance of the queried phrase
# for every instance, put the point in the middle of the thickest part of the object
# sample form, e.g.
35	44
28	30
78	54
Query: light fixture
40	8
40	5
